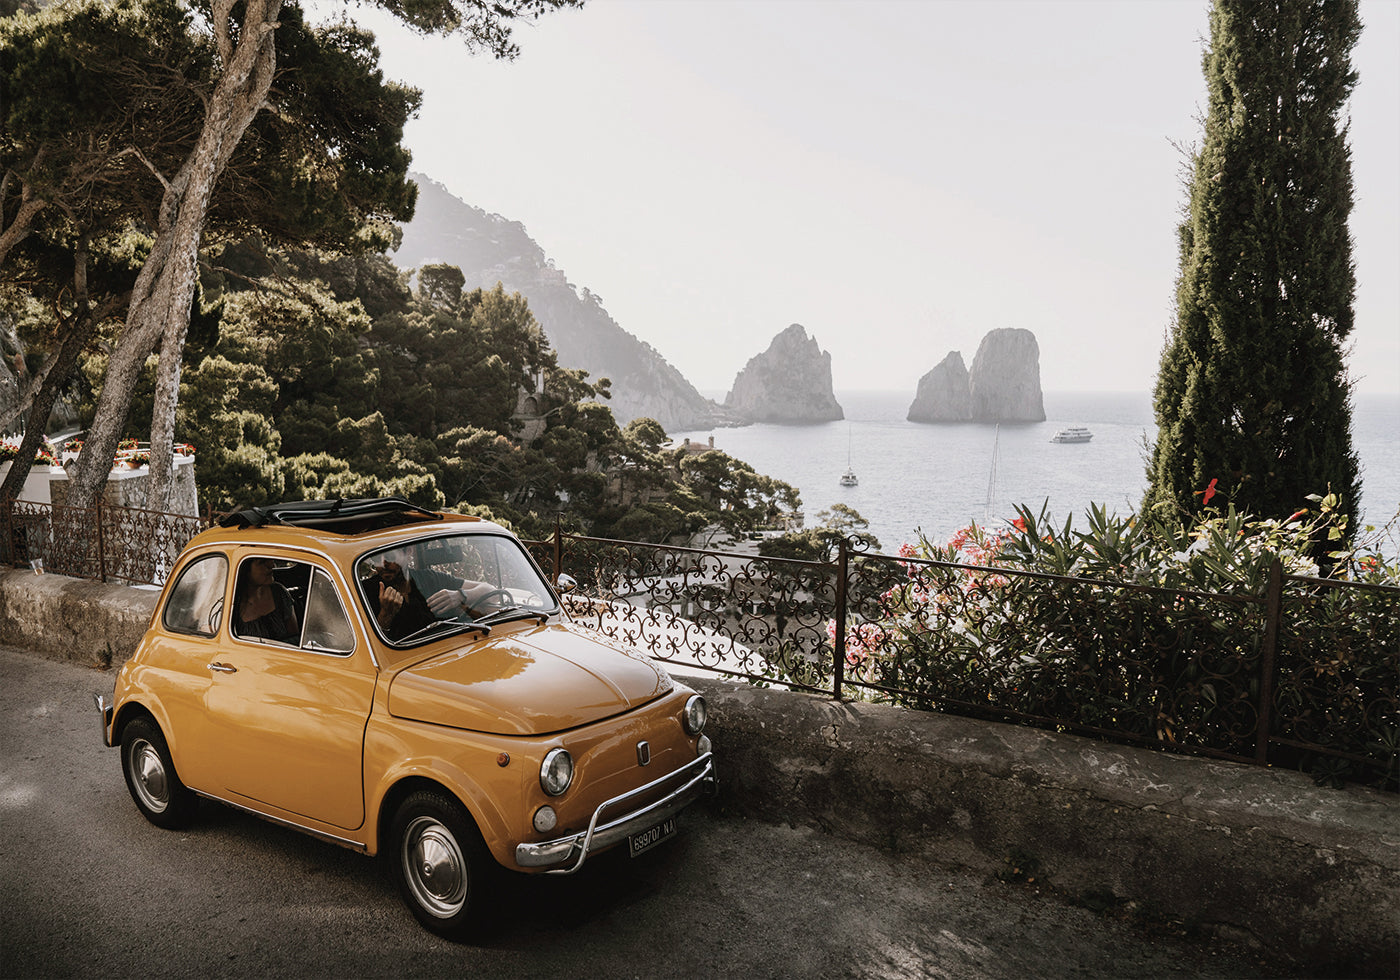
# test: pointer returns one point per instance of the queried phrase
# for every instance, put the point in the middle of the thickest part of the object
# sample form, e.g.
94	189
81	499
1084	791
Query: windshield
433	587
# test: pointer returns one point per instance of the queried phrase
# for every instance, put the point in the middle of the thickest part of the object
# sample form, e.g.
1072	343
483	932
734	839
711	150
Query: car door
288	716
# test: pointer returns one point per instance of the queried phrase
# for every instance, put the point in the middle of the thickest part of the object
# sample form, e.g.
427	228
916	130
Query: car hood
531	682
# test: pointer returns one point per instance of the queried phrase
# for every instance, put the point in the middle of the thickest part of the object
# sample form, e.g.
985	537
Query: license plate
647	839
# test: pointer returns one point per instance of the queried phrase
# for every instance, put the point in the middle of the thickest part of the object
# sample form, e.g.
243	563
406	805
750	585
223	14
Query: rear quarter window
196	601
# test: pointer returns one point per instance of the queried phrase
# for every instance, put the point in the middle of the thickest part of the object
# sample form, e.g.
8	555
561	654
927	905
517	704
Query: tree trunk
57	372
165	287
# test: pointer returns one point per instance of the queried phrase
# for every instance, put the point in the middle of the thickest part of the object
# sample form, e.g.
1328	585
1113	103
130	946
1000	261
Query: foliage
821	541
178	151
1147	628
1252	392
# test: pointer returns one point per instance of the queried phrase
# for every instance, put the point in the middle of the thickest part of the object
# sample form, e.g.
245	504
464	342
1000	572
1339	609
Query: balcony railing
1304	674
111	544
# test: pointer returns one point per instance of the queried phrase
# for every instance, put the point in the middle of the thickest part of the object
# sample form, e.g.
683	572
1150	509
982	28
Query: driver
406	599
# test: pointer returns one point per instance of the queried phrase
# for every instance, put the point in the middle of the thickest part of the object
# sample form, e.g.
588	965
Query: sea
934	479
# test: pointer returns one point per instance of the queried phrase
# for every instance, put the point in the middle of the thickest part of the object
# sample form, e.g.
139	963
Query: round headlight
695	714
545	819
557	772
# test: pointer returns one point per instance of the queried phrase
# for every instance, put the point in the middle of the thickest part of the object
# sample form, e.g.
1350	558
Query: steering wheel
496	594
216	613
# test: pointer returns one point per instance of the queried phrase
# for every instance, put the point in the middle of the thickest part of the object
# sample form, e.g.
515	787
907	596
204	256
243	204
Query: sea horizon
935	478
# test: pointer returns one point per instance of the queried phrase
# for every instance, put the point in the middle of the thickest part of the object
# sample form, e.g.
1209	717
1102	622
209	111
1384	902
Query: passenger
404	599
264	605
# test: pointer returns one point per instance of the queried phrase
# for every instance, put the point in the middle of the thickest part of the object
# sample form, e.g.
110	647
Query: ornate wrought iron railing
112	544
1304	674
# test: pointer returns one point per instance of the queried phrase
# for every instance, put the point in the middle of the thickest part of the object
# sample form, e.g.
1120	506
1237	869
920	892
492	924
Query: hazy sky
898	177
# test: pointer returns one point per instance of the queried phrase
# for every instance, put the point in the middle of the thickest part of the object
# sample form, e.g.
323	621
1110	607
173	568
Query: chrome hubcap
149	773
434	867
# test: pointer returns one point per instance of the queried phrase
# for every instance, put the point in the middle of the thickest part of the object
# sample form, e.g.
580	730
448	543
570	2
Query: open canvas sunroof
341	516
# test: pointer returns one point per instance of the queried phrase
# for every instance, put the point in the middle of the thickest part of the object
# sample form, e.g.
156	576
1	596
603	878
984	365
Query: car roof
341	516
357	524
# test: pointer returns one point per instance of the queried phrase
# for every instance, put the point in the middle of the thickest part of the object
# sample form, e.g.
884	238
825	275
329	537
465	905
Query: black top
341	516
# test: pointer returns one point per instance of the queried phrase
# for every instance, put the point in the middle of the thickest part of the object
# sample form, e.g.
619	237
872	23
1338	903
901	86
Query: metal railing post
558	550
838	667
101	550
1268	657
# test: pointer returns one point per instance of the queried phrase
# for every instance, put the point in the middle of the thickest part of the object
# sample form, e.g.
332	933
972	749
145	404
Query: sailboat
992	477
848	478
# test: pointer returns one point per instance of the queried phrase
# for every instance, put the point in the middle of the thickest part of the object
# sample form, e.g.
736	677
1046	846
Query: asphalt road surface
88	887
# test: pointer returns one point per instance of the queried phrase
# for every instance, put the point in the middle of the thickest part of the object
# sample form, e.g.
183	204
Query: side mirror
565	583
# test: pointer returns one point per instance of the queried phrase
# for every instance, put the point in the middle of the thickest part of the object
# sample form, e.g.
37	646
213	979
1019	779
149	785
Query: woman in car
264	606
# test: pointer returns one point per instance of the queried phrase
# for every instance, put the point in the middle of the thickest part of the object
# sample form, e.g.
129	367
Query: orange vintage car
401	681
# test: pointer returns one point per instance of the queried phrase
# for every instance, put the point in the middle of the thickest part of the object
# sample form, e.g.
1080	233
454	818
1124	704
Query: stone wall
74	619
1312	875
1309	874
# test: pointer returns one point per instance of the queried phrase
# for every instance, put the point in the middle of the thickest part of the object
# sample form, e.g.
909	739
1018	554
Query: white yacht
848	478
1075	433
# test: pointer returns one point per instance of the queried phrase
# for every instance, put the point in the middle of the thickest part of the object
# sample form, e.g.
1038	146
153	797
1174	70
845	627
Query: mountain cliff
489	249
789	383
1003	386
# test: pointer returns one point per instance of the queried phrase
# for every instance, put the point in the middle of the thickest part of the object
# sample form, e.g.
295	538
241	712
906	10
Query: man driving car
406	599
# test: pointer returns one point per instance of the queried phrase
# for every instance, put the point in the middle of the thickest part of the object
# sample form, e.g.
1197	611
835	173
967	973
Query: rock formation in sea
1003	386
789	383
944	394
489	249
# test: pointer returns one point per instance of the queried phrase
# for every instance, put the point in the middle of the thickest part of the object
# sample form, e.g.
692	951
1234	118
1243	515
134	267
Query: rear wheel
441	865
151	777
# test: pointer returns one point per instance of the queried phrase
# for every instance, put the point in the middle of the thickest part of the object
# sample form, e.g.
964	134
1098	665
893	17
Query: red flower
1210	492
1296	514
1019	524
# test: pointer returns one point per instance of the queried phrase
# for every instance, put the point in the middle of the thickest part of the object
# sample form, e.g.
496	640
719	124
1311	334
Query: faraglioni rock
1003	386
789	383
945	393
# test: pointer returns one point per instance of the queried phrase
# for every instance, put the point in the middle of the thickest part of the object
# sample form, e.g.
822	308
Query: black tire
151	777
444	872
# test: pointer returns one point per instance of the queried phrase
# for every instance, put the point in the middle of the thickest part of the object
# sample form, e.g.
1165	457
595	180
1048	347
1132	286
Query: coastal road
88	887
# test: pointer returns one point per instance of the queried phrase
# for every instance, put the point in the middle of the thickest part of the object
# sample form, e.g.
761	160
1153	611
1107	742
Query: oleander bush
1148	631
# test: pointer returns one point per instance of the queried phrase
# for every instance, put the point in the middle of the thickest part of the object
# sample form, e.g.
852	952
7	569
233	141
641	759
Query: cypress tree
1252	391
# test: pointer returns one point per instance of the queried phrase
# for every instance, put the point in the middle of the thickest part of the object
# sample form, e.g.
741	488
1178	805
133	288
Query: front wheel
151	777
441	865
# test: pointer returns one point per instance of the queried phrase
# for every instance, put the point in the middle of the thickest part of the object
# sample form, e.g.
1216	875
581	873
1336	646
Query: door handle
223	668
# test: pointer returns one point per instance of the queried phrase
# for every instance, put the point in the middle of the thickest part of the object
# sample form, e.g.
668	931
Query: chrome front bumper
694	779
104	708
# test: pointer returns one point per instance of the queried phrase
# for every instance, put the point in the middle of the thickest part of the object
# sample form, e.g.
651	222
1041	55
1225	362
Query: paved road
87	887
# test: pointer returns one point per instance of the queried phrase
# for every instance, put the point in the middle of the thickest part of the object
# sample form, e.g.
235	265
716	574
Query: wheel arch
489	820
129	711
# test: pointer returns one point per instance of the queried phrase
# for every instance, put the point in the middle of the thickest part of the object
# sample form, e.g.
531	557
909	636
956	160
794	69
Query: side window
327	626
196	602
269	600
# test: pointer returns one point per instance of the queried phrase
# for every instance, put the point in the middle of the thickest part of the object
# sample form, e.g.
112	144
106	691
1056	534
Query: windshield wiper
508	613
479	626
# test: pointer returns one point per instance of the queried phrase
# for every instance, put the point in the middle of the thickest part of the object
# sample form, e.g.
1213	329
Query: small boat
848	478
1075	433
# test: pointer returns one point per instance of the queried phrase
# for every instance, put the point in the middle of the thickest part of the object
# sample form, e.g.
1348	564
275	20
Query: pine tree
1253	392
